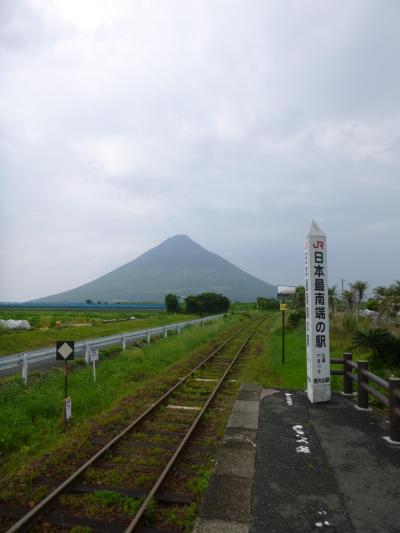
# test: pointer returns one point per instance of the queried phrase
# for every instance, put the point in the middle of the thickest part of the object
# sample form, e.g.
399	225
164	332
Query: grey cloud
123	123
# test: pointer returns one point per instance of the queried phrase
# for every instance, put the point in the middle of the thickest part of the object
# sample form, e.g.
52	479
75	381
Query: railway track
131	470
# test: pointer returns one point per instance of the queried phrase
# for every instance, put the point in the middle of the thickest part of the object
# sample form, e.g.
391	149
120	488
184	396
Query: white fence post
87	353
25	368
123	342
15	361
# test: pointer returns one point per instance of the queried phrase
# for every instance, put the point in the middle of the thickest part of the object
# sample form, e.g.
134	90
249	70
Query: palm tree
380	292
394	288
389	299
360	288
332	297
348	297
382	296
392	301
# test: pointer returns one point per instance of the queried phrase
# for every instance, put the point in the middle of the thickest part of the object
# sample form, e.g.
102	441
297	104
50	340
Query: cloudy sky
235	122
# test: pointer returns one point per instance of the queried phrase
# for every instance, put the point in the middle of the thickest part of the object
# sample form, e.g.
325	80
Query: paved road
323	467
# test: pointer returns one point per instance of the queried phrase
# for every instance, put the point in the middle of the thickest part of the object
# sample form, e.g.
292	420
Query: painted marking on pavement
289	399
321	524
301	440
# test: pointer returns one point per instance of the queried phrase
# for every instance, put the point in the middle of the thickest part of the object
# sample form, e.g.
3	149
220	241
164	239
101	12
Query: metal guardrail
22	360
364	389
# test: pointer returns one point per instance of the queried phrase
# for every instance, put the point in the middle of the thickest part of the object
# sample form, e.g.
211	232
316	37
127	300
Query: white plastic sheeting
15	324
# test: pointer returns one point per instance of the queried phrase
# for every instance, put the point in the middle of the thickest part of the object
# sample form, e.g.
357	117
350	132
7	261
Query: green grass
20	341
239	307
268	369
30	415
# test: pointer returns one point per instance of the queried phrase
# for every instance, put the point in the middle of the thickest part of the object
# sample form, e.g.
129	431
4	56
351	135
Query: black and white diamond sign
65	350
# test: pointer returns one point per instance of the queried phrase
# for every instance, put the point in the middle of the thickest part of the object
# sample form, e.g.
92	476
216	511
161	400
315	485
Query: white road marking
289	399
301	440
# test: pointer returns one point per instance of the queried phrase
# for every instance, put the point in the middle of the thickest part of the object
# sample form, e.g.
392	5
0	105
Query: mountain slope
177	265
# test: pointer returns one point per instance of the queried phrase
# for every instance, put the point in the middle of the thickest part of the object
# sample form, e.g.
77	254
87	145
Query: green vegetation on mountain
178	266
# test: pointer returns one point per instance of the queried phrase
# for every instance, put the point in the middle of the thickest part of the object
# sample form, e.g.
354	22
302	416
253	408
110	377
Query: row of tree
383	343
385	300
204	303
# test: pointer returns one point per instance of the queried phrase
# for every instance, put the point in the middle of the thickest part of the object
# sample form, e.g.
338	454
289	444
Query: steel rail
139	514
33	514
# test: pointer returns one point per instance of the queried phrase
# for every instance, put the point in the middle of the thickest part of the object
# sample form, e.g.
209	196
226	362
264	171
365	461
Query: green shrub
349	323
295	318
385	347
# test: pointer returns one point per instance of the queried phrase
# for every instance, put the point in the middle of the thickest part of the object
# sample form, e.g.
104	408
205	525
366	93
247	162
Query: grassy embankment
268	369
30	415
75	326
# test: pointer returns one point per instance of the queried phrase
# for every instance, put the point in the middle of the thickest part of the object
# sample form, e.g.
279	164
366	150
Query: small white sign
317	316
93	354
286	290
68	408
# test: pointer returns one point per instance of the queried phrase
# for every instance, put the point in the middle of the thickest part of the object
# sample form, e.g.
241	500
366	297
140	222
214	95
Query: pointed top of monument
315	230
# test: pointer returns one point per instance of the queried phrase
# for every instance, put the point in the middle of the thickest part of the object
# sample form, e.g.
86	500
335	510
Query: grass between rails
30	415
94	326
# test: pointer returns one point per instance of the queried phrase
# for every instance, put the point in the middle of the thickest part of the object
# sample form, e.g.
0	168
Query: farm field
75	325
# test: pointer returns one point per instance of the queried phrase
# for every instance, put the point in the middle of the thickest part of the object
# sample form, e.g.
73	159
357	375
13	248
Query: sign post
65	350
284	291
283	308
317	316
67	409
93	357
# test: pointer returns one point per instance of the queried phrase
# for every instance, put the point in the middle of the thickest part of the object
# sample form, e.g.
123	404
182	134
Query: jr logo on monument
317	316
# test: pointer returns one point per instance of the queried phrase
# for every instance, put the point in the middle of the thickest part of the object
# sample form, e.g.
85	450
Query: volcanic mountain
178	265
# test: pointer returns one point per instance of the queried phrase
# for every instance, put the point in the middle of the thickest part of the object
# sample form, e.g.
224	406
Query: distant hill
177	265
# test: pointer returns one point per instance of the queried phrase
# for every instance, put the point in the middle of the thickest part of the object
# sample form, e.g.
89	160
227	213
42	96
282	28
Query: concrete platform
227	503
286	465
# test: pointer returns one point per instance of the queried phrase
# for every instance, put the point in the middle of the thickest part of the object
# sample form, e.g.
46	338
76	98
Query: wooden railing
357	372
